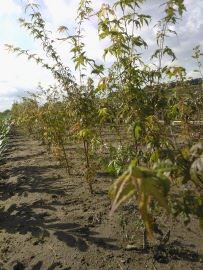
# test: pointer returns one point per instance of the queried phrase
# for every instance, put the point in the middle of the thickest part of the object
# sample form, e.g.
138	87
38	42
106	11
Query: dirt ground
48	220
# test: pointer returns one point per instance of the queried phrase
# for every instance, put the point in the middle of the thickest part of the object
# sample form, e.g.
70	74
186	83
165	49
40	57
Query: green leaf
164	167
101	13
103	112
98	69
147	184
62	29
85	133
136	133
153	187
149	187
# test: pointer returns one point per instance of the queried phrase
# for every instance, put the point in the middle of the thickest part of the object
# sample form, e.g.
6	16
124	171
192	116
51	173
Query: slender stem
66	159
145	239
86	150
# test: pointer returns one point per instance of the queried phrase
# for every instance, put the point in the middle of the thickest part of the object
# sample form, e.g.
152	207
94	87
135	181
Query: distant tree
5	113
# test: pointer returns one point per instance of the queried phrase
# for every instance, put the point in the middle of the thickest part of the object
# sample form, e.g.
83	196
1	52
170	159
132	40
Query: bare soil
49	220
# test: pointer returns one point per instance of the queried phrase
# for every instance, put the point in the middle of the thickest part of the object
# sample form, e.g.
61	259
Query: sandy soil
48	220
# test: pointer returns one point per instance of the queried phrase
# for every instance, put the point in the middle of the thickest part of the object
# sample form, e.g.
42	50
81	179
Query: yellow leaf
121	191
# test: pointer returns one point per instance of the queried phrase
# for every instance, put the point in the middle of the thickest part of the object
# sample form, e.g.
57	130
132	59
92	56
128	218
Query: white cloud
9	7
7	90
8	94
18	76
66	9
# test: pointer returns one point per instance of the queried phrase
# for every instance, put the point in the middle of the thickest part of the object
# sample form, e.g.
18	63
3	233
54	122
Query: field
121	137
49	220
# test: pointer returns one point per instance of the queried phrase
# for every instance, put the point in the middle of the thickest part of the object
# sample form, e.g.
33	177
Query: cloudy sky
19	75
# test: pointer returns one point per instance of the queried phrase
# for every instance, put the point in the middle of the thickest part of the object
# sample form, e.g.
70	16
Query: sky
18	75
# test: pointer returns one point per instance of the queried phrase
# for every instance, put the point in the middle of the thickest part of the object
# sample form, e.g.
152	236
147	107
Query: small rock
18	266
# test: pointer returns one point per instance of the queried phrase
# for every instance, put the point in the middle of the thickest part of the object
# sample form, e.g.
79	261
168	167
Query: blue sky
19	75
